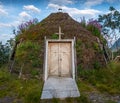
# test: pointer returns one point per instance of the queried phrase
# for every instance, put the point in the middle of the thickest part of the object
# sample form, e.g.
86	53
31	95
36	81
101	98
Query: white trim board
46	55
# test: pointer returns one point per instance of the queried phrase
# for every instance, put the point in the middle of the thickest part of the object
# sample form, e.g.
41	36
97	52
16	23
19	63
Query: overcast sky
14	12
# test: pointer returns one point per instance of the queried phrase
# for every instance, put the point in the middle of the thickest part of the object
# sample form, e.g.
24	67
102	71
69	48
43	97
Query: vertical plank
65	60
53	62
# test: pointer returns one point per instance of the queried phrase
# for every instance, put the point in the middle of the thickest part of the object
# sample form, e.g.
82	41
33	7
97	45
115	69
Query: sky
15	12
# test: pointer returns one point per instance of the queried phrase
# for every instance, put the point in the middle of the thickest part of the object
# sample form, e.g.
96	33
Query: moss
54	36
28	55
96	65
78	43
70	28
96	46
34	72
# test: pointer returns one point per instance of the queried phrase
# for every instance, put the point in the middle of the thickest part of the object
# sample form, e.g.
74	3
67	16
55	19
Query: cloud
111	1
6	30
61	2
5	37
75	11
3	12
32	8
24	15
90	3
10	24
4	25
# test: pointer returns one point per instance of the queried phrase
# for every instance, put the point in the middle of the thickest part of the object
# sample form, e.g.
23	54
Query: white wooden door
59	59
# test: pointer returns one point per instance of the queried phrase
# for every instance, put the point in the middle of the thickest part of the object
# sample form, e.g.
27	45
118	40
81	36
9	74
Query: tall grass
28	54
28	91
105	80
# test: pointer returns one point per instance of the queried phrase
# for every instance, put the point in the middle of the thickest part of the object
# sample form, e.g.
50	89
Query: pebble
102	98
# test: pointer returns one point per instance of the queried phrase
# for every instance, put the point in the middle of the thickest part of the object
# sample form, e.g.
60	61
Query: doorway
59	59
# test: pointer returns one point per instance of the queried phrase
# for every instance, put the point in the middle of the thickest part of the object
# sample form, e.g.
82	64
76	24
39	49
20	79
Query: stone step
60	88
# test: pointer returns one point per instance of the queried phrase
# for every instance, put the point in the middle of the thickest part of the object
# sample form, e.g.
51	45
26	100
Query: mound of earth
89	54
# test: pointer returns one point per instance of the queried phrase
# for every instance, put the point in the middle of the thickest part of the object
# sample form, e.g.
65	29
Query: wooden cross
60	33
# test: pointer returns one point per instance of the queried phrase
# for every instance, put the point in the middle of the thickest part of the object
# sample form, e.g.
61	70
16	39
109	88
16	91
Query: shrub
26	25
54	36
96	46
96	65
83	22
4	75
33	96
4	53
34	72
28	54
104	79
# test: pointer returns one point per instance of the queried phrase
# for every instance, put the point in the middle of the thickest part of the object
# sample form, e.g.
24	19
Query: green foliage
78	47
34	72
79	43
4	53
83	22
83	99
28	91
84	86
110	24
116	53
4	75
96	65
79	67
28	51
54	36
28	54
28	45
110	20
96	46
94	27
105	80
33	95
110	101
26	25
95	31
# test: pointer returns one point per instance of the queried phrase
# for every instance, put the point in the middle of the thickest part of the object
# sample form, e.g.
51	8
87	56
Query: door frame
47	41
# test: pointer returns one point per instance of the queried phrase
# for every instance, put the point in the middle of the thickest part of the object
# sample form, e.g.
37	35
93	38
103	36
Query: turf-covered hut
30	53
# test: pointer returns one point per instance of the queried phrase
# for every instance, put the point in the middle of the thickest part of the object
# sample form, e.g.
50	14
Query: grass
28	91
105	80
81	99
28	53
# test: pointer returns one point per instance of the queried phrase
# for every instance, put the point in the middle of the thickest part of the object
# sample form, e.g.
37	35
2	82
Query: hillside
96	83
89	53
95	86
